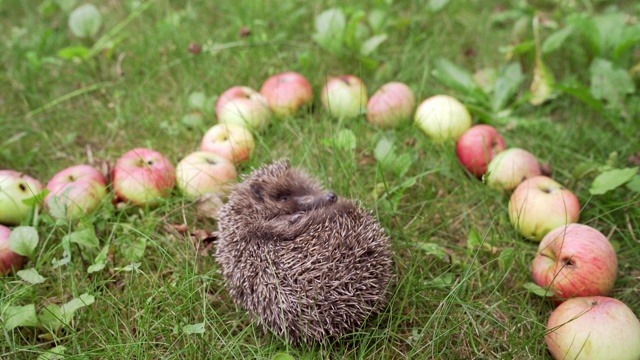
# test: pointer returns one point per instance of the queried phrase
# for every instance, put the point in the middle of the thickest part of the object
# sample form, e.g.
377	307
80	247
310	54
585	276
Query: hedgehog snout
309	202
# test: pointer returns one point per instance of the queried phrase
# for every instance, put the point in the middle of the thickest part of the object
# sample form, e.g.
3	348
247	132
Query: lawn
462	280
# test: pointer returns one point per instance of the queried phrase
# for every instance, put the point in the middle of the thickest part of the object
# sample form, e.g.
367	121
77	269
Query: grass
450	301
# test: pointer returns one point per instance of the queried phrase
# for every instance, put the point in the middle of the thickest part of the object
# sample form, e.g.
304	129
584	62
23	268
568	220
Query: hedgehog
304	263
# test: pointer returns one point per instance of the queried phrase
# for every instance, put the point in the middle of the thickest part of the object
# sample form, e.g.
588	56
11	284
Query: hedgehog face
278	190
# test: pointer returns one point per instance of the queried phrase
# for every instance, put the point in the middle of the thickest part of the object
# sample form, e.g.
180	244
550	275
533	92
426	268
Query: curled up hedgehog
303	262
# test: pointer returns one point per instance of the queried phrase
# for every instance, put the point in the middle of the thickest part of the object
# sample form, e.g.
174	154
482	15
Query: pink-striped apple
287	92
241	105
143	177
344	96
204	172
575	260
442	117
477	146
75	191
510	167
541	204
233	142
391	105
15	187
593	328
9	260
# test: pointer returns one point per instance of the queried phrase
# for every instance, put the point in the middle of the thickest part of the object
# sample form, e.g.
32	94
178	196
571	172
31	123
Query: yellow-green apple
9	260
594	328
344	96
75	191
575	260
477	146
241	105
233	142
203	172
391	105
287	92
15	187
143	177
510	167
541	204
442	117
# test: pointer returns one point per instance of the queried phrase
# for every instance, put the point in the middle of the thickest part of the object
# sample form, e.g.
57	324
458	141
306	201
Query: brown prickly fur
308	270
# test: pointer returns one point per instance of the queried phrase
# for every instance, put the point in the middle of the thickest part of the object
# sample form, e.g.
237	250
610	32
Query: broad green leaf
134	248
556	40
344	140
100	261
85	237
538	290
371	44
444	280
582	93
634	184
56	353
23	240
585	25
330	29
196	101
74	52
14	316
377	19
506	86
37	199
630	37
384	152
194	329
283	356
506	259
610	29
609	83
355	29
474	240
433	249
403	164
585	168
77	303
51	317
31	276
457	78
85	21
437	5
612	179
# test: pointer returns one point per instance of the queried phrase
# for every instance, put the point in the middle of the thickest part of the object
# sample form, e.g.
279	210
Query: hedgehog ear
256	190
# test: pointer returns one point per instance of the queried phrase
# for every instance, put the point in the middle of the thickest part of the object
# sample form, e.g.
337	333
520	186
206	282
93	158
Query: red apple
477	146
77	189
143	177
344	96
594	328
510	167
9	260
541	204
233	142
204	172
443	117
391	105
286	93
15	187
241	105
575	260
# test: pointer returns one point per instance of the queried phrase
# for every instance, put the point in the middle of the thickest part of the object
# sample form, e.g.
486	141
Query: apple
9	260
575	260
241	105
344	96
477	146
143	176
286	93
233	142
510	167
391	105
78	189
595	328
204	172
541	204
15	187
443	117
